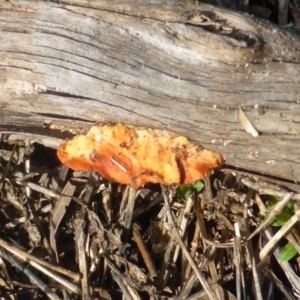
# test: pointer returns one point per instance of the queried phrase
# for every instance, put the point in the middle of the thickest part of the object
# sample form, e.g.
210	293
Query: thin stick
286	267
82	260
30	258
137	237
249	248
183	225
129	293
32	277
237	262
38	188
276	210
184	249
194	245
67	284
266	188
283	230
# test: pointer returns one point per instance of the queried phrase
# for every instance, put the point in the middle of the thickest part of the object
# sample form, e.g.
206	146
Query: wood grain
183	68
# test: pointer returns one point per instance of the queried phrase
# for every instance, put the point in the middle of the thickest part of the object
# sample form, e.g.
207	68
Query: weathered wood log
184	68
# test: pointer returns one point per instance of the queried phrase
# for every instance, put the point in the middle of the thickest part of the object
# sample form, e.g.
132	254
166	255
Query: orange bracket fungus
134	156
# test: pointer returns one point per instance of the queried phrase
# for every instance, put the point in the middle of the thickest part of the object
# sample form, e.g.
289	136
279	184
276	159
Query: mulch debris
74	235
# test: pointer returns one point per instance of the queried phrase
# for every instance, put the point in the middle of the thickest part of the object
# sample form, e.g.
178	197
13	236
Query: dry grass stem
143	250
278	236
276	210
112	242
203	282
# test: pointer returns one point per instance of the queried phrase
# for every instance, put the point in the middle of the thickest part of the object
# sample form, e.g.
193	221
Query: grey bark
184	68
